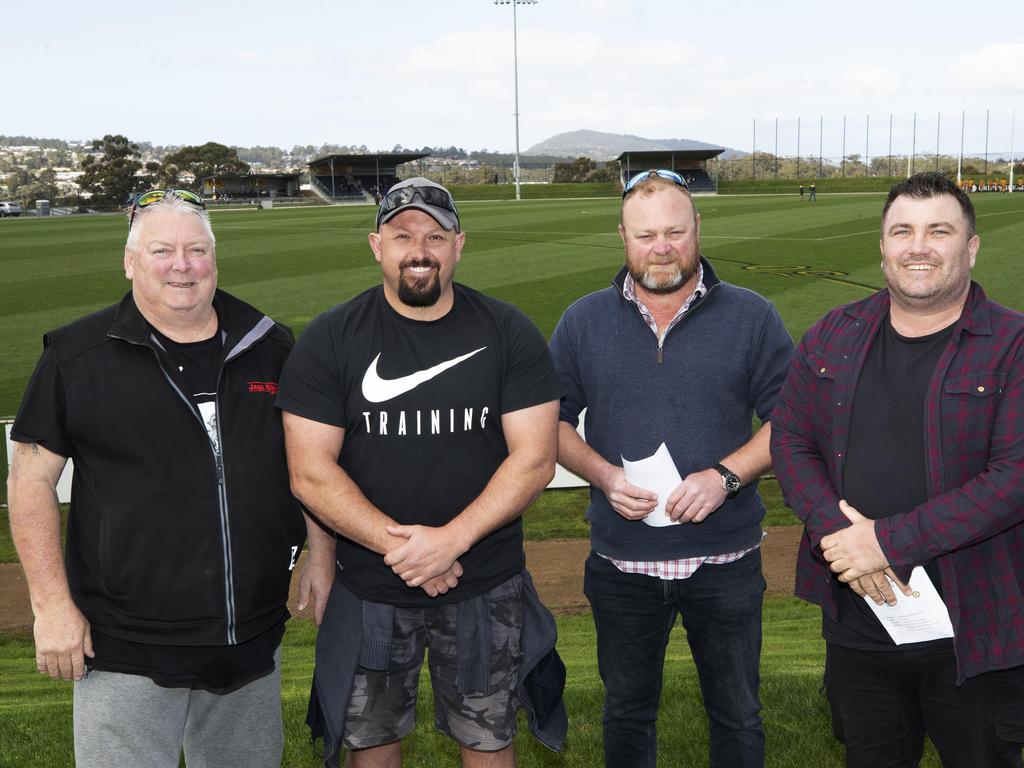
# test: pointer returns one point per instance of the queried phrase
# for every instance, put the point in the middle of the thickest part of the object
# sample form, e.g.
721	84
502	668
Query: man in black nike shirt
420	420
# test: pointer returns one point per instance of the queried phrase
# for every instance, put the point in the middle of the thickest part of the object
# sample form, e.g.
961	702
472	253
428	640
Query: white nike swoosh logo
377	390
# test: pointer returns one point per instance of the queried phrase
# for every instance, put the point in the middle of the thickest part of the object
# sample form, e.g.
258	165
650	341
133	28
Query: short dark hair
921	186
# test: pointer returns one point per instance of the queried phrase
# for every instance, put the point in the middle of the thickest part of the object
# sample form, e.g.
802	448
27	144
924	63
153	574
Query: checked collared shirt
973	521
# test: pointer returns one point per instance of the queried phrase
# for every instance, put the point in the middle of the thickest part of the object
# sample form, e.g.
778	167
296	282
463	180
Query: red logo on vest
270	387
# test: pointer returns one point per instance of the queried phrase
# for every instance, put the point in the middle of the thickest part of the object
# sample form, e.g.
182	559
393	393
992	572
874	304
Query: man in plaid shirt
897	440
671	356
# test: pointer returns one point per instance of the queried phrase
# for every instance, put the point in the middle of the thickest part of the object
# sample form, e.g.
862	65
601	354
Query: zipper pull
220	468
661	355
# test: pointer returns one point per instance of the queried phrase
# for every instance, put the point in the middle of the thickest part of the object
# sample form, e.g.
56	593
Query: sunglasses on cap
672	176
396	198
145	199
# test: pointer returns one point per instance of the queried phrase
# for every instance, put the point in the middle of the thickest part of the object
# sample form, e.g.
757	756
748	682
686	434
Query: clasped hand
855	554
427	559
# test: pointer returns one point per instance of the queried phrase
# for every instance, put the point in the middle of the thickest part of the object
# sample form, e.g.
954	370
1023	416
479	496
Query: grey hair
175	204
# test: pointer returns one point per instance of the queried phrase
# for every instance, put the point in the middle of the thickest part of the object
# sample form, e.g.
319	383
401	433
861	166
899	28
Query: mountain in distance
608	146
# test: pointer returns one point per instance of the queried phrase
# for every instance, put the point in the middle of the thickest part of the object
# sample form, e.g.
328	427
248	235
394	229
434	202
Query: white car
9	209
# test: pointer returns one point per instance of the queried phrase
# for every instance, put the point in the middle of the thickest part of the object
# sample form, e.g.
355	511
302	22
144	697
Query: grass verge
35	712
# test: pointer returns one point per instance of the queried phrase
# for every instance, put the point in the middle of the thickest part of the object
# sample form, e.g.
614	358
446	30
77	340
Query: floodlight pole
889	167
867	145
515	73
821	140
843	174
776	147
913	149
986	143
798	147
1013	121
960	160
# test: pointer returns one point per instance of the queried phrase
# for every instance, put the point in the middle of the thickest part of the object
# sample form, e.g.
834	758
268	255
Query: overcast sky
439	72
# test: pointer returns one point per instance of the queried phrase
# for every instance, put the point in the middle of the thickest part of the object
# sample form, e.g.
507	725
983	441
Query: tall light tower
515	71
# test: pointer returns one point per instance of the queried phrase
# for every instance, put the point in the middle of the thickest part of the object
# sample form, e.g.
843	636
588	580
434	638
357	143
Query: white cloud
993	69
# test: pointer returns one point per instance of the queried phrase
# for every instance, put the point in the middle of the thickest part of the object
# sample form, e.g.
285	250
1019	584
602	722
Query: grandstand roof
666	158
254	176
364	163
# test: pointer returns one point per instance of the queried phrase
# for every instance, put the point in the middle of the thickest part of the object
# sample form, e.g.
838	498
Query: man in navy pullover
670	354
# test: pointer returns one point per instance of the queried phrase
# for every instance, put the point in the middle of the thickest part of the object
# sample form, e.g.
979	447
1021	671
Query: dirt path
556	566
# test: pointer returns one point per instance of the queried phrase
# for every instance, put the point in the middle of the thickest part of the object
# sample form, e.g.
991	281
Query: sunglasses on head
145	199
672	176
396	198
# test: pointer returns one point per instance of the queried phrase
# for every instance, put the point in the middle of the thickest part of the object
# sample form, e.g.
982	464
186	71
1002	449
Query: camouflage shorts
382	708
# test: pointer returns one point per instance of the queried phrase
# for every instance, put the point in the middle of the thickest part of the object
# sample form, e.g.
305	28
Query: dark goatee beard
420	292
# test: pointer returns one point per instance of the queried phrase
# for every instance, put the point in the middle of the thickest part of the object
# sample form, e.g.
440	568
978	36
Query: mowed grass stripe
542	255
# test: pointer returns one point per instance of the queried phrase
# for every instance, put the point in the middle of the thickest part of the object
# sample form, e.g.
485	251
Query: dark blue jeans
721	610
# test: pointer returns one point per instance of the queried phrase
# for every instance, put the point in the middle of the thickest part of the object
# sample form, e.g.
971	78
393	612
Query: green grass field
35	713
878	184
540	255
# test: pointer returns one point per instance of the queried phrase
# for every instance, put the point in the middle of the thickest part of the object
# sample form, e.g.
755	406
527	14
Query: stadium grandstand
691	164
233	186
357	178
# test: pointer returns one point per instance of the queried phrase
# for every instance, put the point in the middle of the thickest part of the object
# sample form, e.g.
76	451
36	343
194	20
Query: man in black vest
168	606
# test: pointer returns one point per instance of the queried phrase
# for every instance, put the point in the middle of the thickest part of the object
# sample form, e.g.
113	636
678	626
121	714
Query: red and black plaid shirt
973	521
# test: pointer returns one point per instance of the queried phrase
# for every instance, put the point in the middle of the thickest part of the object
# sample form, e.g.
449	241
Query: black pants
884	702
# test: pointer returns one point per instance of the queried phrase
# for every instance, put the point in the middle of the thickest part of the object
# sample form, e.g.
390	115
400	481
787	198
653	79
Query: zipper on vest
225	522
222	495
661	351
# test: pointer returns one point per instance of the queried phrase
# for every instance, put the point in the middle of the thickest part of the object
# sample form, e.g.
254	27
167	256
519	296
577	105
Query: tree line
110	173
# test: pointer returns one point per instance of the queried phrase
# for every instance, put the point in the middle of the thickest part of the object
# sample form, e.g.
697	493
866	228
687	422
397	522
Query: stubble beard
945	293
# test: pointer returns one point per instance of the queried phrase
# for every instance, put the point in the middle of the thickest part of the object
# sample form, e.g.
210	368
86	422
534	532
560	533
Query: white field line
790	239
998	213
848	234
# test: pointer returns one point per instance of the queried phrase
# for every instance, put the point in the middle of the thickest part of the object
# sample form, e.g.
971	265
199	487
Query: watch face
730	480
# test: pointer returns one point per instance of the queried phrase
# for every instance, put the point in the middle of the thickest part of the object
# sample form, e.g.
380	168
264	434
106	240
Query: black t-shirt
195	366
216	668
885	472
421	405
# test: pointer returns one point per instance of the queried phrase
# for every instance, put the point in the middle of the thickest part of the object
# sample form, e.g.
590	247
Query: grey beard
653	287
681	278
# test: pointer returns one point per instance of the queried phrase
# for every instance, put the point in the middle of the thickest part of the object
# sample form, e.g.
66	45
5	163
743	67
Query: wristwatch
730	480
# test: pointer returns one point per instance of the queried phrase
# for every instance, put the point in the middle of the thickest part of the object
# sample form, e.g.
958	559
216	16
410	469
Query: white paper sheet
656	473
918	618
